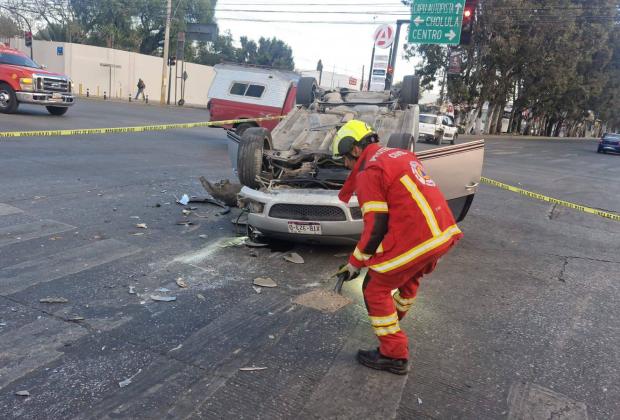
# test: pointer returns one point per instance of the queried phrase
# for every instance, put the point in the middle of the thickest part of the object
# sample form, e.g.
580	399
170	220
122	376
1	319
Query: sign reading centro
436	21
384	36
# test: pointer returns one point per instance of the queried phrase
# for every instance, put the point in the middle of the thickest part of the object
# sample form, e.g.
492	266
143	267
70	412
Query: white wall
331	80
83	64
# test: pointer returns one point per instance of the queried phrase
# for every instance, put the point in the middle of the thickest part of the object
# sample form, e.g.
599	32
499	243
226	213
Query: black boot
375	360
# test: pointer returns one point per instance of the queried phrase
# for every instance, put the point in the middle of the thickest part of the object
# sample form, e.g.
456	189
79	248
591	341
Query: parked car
291	179
610	142
437	129
244	92
22	80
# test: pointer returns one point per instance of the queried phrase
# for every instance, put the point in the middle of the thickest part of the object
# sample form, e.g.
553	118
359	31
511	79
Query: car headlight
26	83
256	207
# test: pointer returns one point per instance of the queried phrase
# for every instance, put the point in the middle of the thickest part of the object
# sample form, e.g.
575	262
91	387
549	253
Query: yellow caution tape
530	194
139	129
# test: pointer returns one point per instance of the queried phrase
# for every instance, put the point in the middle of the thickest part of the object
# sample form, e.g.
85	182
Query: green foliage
139	25
270	52
557	58
8	27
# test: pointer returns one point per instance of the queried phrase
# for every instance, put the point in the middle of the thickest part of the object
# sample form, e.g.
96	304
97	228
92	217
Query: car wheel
306	91
8	100
240	129
599	150
438	141
400	141
250	163
410	91
57	110
453	141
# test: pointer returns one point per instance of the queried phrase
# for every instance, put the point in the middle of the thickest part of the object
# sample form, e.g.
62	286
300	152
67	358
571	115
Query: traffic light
172	61
469	10
28	38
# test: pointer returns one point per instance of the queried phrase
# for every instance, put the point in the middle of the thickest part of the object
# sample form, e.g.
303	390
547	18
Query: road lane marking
541	197
34	345
137	129
21	276
27	231
6	210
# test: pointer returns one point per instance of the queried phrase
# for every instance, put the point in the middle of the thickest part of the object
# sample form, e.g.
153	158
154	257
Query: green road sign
436	21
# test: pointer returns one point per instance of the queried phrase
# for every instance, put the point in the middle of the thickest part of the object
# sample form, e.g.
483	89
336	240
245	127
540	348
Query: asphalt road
520	320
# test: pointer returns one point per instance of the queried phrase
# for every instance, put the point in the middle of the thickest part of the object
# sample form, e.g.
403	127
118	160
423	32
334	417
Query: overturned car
291	180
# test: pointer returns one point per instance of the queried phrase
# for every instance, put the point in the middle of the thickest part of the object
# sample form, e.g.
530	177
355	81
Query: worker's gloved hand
348	271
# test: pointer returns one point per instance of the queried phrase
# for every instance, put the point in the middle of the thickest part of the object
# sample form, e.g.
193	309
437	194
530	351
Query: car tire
8	99
240	129
57	110
401	141
454	139
250	163
306	91
438	141
598	150
410	91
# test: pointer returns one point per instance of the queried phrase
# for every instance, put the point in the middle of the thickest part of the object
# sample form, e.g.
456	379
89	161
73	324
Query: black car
610	142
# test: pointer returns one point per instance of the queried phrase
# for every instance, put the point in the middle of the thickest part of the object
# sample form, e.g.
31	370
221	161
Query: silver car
291	180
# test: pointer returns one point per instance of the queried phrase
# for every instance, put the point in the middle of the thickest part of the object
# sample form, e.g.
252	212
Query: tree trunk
497	128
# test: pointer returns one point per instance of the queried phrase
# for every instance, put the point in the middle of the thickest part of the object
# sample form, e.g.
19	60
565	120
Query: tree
8	27
274	52
270	52
554	58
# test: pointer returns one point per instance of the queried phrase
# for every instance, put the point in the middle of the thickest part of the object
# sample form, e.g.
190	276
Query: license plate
56	95
304	228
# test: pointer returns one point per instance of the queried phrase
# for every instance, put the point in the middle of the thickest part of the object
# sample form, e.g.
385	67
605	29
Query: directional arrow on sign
436	21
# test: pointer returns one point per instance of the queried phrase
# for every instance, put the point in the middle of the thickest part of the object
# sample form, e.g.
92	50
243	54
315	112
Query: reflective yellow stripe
418	197
376	206
387	330
360	256
403	301
402	308
419	250
383	321
402	304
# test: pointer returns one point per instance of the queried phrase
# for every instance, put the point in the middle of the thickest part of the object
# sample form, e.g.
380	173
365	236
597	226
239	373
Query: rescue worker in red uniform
408	226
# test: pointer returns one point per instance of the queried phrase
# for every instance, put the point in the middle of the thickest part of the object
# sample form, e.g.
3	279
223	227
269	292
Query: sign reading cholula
436	21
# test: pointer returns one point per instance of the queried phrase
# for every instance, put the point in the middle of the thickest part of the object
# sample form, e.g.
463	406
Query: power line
341	22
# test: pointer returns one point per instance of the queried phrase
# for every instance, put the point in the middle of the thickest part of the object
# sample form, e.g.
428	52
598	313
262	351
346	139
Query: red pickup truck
24	81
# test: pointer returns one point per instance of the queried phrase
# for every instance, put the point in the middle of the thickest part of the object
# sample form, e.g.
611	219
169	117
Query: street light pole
164	70
394	54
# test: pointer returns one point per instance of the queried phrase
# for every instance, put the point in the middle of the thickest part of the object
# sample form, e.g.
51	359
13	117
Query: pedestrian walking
408	226
141	87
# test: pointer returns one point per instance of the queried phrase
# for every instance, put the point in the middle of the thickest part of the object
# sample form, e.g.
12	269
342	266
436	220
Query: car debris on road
158	298
265	282
53	300
294	257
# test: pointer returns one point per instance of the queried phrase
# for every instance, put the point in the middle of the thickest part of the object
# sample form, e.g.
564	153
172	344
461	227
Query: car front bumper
48	99
345	230
609	147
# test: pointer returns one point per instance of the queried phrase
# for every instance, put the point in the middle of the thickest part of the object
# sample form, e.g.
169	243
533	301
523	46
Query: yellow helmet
354	131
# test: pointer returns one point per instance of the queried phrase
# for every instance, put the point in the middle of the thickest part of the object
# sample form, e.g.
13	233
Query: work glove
348	272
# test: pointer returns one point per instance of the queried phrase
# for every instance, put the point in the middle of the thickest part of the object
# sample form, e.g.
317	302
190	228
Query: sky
343	46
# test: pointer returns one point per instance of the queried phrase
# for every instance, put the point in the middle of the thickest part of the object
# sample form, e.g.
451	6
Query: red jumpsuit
408	226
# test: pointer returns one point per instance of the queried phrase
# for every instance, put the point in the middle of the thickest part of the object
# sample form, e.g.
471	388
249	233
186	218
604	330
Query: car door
457	171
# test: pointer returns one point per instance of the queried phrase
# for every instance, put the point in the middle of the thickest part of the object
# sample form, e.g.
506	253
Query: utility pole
394	52
362	82
164	70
